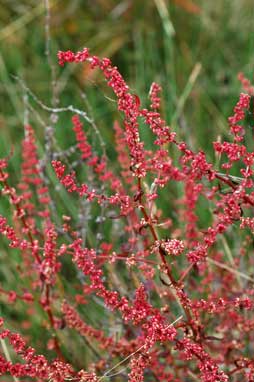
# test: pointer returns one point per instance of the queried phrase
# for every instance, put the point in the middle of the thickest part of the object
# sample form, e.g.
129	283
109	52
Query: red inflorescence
131	270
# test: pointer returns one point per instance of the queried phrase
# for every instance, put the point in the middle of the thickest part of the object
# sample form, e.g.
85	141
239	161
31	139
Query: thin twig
48	54
135	352
224	266
52	109
7	356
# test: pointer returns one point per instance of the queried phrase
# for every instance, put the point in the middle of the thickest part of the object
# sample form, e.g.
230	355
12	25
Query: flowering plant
174	298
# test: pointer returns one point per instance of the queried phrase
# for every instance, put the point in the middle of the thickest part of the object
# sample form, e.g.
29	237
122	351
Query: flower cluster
114	264
174	247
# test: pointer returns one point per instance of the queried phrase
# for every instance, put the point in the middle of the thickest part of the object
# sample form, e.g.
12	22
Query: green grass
146	43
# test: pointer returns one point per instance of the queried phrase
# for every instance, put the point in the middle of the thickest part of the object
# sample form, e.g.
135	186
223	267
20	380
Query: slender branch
173	282
132	354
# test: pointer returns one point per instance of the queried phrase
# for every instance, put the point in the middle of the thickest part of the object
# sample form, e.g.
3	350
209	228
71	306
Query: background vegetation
150	40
